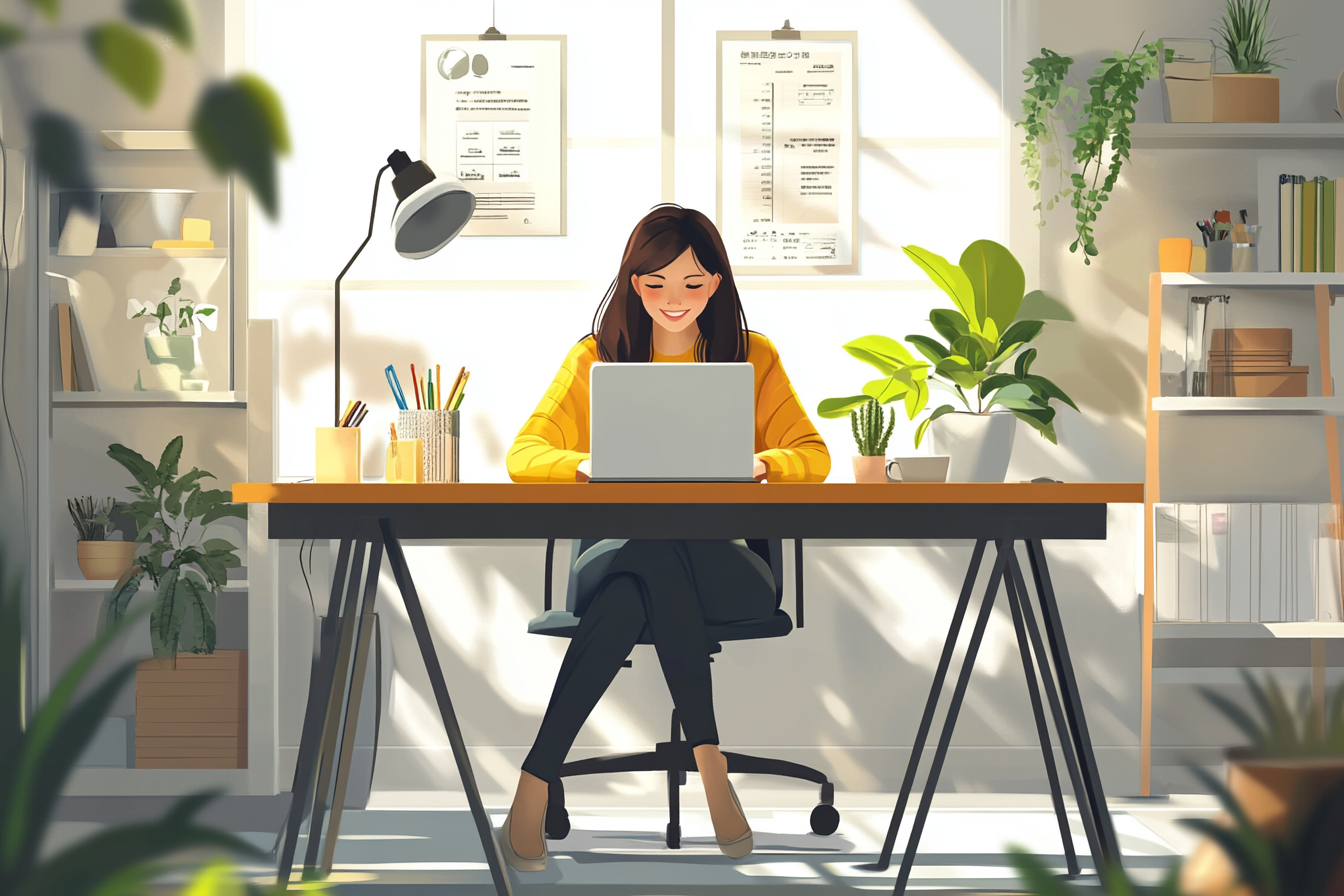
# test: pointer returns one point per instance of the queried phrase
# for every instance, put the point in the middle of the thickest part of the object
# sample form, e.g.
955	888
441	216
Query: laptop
672	422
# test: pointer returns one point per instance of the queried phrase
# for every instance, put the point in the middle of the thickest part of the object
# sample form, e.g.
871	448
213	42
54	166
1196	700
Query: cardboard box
194	716
1282	383
1252	339
1246	98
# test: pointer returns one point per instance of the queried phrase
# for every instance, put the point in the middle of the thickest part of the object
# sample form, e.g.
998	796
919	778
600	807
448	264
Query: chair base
676	758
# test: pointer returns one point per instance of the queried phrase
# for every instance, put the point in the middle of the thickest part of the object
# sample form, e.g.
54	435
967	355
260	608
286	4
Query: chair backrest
771	550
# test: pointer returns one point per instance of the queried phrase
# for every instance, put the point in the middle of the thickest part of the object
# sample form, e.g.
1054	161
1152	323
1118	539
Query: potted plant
1250	92
981	335
99	556
172	341
871	430
1278	780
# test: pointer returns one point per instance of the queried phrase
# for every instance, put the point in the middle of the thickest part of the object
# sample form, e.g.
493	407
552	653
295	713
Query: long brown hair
621	326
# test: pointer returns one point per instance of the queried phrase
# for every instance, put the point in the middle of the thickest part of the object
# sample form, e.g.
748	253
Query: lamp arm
373	211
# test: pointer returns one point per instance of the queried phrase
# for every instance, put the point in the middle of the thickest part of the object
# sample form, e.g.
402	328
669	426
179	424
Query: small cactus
866	422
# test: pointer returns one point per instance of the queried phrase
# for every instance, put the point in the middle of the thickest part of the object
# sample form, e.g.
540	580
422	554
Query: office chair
674	756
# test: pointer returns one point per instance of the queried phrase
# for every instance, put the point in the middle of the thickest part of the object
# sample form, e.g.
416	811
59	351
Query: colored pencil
415	384
452	393
461	389
438	378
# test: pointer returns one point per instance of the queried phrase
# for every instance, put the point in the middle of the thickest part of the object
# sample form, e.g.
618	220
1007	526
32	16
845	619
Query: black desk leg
931	706
1005	549
1066	743
1042	732
421	628
326	762
319	688
1073	704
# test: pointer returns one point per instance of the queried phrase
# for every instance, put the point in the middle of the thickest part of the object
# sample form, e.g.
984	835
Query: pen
363	412
345	415
438	378
395	385
452	393
425	395
461	390
415	384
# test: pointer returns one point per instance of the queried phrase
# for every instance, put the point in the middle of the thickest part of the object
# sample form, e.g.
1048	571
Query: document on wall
787	153
492	116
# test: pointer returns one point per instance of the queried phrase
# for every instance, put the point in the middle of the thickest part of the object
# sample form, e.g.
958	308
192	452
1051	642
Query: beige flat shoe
741	846
525	863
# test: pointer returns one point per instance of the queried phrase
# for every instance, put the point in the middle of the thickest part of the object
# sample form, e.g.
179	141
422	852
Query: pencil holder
338	457
1218	257
406	460
439	431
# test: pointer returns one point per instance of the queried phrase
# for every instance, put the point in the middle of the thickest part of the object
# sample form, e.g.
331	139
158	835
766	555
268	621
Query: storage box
405	461
1252	339
1264	382
1187	80
1188	100
1246	98
194	716
338	454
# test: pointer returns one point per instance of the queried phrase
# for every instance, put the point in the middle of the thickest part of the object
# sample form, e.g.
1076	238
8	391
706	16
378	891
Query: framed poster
788	152
492	115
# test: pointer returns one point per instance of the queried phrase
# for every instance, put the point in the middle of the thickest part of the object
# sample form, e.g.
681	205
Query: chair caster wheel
557	822
825	819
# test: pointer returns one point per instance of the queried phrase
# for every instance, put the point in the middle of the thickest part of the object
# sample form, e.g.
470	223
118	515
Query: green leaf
118	599
924	426
890	388
165	622
948	277
172	454
58	149
169	16
10	35
997	281
882	352
929	348
1037	305
1013	392
240	126
1039	419
1022	331
1023	364
51	9
1046	390
916	399
221	511
950	324
1034	873
129	58
200	619
830	408
144	472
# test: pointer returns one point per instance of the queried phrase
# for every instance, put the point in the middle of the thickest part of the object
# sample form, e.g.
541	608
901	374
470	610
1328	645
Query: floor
618	850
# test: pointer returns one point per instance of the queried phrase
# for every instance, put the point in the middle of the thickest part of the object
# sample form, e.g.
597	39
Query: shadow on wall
980	48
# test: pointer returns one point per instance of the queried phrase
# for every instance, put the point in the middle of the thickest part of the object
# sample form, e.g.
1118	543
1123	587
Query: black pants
673	588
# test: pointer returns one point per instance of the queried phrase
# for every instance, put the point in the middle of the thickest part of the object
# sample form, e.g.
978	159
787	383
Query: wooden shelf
1239	135
100	585
143	252
236	399
1259	280
1310	406
1185	630
150	140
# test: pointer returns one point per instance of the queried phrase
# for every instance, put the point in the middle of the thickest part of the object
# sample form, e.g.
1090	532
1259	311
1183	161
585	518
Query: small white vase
980	445
181	352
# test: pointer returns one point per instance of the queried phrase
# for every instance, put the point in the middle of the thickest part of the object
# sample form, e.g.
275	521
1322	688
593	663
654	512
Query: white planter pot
175	363
979	445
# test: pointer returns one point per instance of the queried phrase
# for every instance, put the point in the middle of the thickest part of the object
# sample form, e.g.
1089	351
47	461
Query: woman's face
675	295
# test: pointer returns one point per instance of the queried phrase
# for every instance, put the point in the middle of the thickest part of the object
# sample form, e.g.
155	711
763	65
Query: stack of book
1255	363
1311	224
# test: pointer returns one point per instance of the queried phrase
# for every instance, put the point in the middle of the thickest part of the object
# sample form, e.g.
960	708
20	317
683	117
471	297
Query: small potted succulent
99	555
172	341
1250	92
871	430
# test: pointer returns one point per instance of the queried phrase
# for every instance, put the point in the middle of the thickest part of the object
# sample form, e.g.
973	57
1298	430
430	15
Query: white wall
932	172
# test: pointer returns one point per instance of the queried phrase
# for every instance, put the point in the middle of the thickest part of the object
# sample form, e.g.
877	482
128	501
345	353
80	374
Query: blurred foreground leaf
169	16
10	34
59	148
240	126
49	8
129	58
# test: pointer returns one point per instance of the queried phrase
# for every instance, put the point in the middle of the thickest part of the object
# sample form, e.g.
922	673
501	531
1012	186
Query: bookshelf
1240	135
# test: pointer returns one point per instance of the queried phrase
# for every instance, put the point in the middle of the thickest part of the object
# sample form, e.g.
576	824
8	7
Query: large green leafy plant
38	750
238	123
1281	727
1103	112
187	569
981	335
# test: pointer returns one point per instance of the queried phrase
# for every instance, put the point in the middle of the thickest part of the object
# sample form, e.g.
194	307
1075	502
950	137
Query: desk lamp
430	212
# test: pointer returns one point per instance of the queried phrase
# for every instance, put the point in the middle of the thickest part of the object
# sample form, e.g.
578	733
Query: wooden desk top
691	493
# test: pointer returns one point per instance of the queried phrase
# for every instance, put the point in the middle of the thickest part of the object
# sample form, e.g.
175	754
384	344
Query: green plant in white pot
172	340
983	362
188	569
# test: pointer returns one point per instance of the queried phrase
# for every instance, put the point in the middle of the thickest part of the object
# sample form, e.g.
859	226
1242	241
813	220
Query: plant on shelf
187	569
172	340
1244	37
1041	880
99	556
38	750
1284	728
981	335
1104	111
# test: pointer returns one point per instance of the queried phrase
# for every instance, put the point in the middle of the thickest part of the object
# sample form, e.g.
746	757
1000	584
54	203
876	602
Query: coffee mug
927	468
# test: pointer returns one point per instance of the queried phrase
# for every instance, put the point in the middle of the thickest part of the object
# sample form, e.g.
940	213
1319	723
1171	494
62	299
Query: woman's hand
585	469
760	469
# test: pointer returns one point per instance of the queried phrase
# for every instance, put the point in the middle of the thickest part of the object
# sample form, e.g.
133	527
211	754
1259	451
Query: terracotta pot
870	469
104	559
1274	793
1246	98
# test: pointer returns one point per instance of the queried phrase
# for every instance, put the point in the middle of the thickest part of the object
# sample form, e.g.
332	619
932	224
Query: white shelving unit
1315	406
102	585
141	252
1163	631
1216	135
128	398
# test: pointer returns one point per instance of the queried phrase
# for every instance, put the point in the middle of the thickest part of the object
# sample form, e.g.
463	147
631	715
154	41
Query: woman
673	301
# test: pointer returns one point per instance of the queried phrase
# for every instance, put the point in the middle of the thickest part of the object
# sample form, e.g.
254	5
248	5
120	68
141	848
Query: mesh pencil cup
439	431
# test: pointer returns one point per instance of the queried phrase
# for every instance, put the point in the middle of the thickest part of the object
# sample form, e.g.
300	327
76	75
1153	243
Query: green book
1308	213
1329	262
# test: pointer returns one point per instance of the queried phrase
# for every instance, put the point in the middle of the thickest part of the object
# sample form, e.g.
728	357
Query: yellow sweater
554	439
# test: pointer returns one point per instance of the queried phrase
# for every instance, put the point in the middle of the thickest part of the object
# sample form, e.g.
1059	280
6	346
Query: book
67	359
1308	217
1329	261
70	327
1297	221
1319	229
85	378
1285	222
1339	224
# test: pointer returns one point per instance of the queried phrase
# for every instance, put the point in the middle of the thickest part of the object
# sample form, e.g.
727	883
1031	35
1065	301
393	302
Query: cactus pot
870	469
980	445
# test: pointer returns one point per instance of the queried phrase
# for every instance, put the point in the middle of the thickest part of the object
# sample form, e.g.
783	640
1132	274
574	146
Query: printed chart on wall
788	152
492	115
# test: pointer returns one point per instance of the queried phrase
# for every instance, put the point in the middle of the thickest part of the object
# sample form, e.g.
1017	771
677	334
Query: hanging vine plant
1103	115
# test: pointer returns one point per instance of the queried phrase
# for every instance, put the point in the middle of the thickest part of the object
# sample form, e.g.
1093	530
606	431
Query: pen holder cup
406	460
1218	257
338	457
439	431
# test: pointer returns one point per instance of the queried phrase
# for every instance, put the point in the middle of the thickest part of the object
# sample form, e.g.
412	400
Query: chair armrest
798	580
550	562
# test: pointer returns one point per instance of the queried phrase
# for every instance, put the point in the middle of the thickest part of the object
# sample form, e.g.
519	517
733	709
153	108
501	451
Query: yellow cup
406	460
1198	259
338	456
